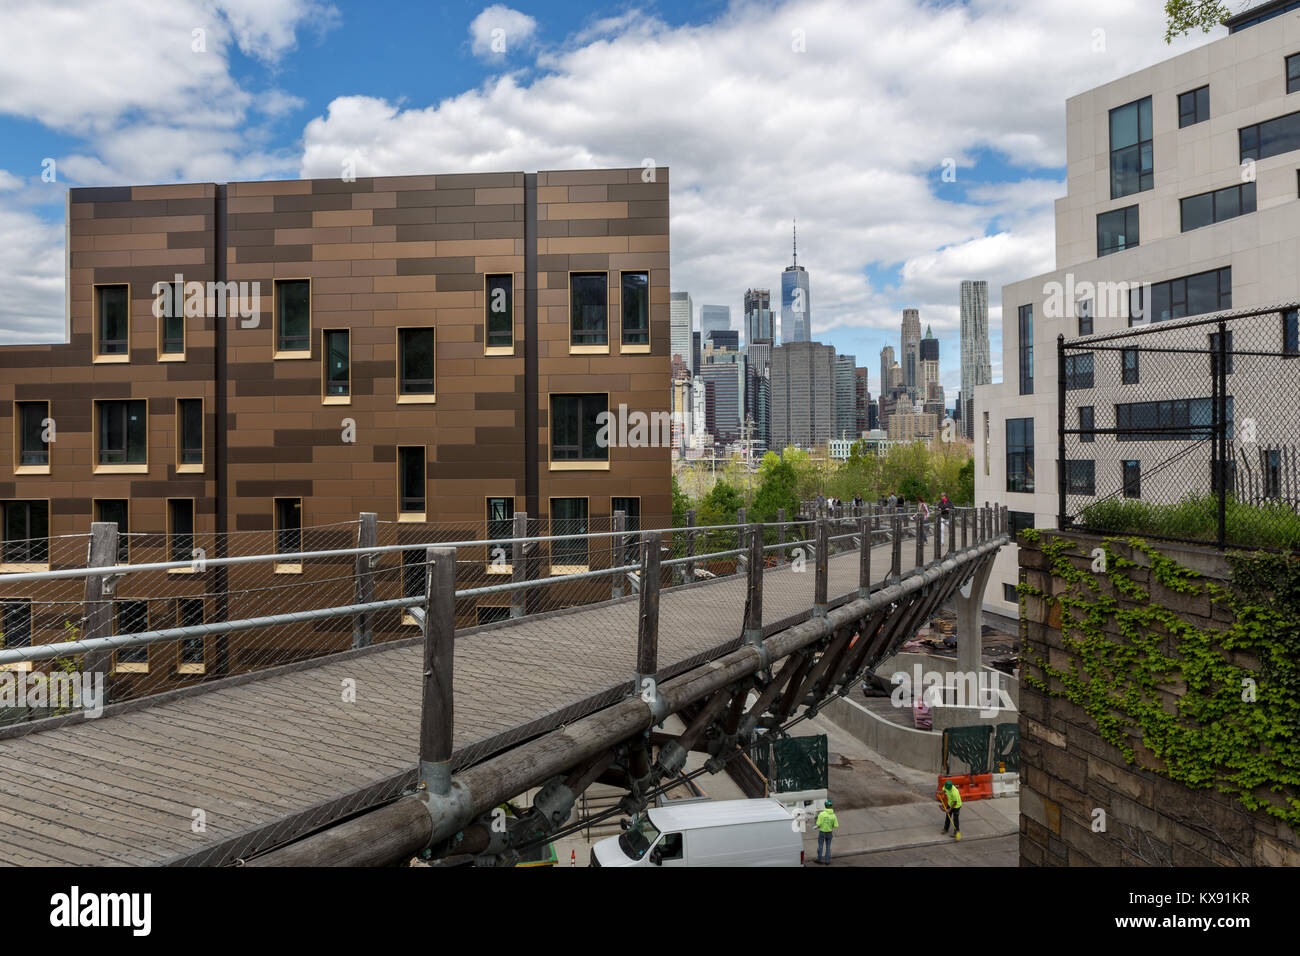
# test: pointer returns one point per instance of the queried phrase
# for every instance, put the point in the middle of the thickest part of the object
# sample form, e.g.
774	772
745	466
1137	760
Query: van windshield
639	837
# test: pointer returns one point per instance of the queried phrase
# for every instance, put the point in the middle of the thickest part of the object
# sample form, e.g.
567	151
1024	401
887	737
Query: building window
1020	454
1026	344
1205	209
293	316
1018	521
337	359
288	532
1129	373
189	423
1272	473
631	508
1132	479
112	322
415	363
1085	317
180	537
499	319
588	319
189	612
414	567
115	511
1270	138
501	527
1131	162
1009	594
27	532
635	296
1293	73
1220	471
1087	422
574	428
123	432
1117	230
1180	419
171	324
987	433
569	516
1291	332
1193	107
16	622
1081	477
1197	294
1214	353
131	617
33	449
1078	371
411	490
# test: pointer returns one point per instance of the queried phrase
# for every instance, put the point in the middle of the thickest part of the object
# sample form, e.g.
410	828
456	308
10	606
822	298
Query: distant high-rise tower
846	397
796	302
886	363
680	315
910	351
803	395
929	360
975	368
714	318
758	316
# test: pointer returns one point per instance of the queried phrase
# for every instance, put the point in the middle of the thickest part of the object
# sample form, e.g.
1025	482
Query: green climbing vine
1214	708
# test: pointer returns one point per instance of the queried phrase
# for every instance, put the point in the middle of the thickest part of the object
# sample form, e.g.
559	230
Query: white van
718	833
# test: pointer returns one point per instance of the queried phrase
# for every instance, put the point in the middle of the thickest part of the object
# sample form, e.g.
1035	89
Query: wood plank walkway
239	766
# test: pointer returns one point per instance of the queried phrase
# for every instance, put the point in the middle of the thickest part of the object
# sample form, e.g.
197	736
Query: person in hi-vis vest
950	800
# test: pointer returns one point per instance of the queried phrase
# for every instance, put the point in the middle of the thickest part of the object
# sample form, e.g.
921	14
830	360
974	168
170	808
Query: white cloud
499	31
9	181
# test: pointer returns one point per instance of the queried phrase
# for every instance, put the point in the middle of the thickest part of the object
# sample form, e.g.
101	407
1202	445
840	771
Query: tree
965	494
1184	16
776	490
719	507
681	504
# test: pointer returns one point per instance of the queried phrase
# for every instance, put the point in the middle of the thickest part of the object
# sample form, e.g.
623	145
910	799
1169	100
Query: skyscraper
723	373
758	316
796	302
910	351
680	314
975	367
714	318
846	397
886	363
929	360
803	395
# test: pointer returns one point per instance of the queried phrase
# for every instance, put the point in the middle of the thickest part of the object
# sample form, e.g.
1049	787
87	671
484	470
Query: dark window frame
1245	204
501	525
1291	333
131	617
584	446
1079	373
1085	317
22	541
410	385
407	498
123	527
1081	476
1291	72
1190	105
590	328
1176	296
1130	372
1131	485
1142	149
332	384
108	409
1130	226
638	334
171	327
30	456
288	534
1020	455
1269	138
180	543
189	446
191	651
1087	423
498	324
1025	346
16	622
573	553
106	346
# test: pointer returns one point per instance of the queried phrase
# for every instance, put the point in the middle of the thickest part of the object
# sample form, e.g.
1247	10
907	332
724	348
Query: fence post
647	634
780	535
864	556
965	521
896	552
1220	467
823	567
618	551
1062	515
690	545
99	604
519	564
367	537
437	706
938	535
1002	521
988	521
754	584
920	540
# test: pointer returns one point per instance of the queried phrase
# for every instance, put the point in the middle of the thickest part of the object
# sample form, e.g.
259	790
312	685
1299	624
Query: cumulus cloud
499	31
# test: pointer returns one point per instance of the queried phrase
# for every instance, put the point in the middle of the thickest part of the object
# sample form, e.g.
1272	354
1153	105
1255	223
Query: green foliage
1273	524
681	504
776	490
720	507
965	493
1147	676
1184	16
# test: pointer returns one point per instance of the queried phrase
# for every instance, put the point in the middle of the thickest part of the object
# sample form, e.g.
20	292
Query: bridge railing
154	626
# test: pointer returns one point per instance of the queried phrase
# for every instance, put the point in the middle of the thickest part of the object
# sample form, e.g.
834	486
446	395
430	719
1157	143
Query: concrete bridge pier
970	618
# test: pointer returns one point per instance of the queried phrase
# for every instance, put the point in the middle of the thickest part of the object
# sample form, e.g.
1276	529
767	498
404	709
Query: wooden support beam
437	707
864	556
820	602
647	641
367	537
920	540
98	608
754	586
938	535
519	564
896	552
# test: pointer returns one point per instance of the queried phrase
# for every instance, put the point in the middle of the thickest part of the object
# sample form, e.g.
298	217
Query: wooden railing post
920	540
437	707
690	545
1003	524
647	635
938	535
780	535
754	586
896	552
864	556
519	565
367	537
823	568
99	604
616	557
965	520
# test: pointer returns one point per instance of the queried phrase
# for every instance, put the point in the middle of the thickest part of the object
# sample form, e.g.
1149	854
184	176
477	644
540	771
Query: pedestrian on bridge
826	827
950	800
924	511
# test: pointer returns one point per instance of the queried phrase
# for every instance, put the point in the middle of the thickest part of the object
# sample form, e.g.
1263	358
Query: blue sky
843	114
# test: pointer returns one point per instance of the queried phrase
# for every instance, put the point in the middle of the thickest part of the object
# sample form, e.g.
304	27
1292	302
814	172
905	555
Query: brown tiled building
429	348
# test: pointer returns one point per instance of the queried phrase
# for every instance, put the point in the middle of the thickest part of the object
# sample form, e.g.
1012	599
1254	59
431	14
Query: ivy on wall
1215	708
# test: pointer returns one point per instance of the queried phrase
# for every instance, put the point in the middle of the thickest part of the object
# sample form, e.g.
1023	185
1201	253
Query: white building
1143	152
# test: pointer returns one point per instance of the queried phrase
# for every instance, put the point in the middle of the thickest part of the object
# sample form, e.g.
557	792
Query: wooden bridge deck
261	758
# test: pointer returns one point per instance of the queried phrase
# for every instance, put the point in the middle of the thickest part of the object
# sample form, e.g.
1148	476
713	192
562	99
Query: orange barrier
971	786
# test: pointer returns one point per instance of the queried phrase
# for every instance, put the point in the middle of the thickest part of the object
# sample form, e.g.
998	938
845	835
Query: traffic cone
573	857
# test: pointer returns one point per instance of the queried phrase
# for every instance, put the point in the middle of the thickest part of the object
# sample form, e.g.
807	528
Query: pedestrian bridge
375	754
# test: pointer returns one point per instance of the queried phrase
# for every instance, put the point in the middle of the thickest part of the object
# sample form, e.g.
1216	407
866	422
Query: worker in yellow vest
950	800
826	827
